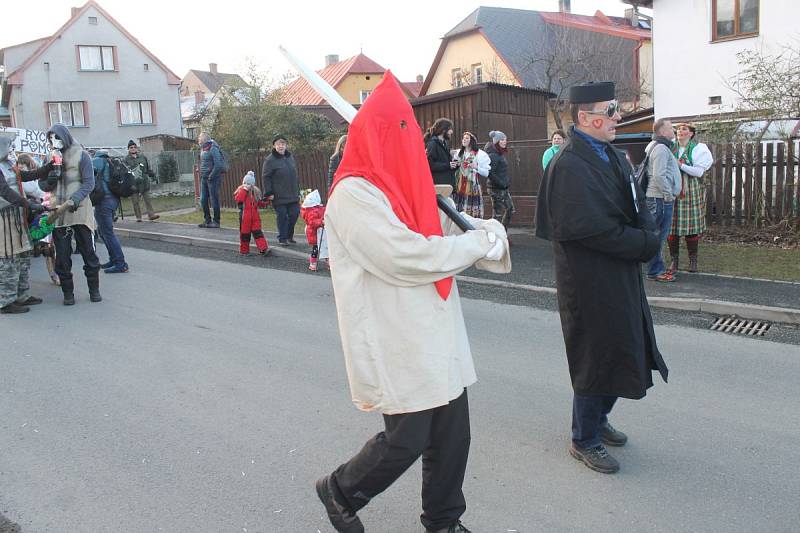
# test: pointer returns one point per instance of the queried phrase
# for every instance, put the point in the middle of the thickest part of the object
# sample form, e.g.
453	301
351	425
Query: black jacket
333	164
439	160
279	178
498	176
585	207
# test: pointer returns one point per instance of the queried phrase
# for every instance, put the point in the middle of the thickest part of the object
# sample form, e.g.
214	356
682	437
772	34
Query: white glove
498	250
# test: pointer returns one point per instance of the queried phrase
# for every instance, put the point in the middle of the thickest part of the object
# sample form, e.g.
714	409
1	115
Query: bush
167	168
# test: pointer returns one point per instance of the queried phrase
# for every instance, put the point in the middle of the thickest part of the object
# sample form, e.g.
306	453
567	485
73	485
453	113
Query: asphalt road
204	395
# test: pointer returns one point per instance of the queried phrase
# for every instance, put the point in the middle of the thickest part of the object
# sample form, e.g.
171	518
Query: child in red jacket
248	196
313	212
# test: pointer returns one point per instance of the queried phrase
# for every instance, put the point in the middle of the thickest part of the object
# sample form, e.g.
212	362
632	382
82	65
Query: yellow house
354	79
546	51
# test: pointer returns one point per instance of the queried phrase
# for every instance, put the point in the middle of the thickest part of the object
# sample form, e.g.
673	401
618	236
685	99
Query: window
714	100
457	80
363	95
146	67
93	21
135	112
477	73
68	113
96	57
191	133
734	18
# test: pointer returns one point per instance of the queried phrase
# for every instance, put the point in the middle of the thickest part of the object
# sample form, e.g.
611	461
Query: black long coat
439	160
585	207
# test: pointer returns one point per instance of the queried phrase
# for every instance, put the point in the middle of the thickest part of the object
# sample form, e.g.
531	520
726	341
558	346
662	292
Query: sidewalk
533	271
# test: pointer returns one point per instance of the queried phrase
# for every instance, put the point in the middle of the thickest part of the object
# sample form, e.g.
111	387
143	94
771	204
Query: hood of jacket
62	132
5	147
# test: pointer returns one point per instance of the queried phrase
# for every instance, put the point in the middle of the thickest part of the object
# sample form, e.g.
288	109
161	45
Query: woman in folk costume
313	213
393	257
689	217
248	197
472	161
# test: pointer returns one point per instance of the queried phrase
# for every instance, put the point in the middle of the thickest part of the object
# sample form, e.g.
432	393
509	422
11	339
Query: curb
716	307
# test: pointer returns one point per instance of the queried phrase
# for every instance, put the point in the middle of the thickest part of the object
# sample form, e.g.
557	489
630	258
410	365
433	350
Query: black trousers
62	239
441	436
588	414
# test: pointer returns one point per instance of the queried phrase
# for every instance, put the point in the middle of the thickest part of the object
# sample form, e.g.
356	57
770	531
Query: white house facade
93	76
695	43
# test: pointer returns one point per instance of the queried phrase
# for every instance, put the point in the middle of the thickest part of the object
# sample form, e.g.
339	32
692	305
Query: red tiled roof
598	22
299	92
414	87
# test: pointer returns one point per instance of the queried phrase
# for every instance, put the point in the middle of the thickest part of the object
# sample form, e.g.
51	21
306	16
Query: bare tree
570	56
493	72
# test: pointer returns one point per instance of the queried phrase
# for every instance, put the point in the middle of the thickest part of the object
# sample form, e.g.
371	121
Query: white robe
405	348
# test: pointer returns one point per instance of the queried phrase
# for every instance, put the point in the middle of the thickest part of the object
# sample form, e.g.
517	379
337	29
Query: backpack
122	182
223	168
98	193
641	174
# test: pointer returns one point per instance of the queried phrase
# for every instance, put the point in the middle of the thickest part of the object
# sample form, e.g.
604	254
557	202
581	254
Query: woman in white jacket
472	161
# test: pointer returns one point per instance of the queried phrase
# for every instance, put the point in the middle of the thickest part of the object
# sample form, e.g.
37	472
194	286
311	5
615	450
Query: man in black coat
280	181
592	210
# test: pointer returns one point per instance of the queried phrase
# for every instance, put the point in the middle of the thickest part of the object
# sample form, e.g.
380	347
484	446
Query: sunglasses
610	111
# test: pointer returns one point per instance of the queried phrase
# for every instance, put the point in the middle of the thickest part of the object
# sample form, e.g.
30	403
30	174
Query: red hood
385	147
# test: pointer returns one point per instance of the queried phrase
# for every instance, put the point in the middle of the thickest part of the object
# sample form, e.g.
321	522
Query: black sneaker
343	520
611	436
458	527
597	458
212	225
283	242
291	241
203	225
31	300
13	308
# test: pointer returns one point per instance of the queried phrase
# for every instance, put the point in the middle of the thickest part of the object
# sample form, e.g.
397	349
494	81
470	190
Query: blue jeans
588	414
286	217
209	191
104	215
662	214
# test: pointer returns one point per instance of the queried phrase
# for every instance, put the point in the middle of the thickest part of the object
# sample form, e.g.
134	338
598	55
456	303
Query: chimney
199	97
564	6
212	67
74	11
420	79
331	59
632	14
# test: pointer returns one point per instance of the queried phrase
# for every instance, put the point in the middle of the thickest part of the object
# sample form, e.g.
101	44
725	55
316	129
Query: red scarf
384	146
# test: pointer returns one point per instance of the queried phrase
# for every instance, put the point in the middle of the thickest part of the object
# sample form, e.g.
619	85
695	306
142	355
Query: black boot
674	252
68	288
93	281
691	245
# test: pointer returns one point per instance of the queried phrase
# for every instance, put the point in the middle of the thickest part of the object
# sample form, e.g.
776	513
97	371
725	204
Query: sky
399	35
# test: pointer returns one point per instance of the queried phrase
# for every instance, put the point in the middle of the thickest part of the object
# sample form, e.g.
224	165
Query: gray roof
215	81
519	36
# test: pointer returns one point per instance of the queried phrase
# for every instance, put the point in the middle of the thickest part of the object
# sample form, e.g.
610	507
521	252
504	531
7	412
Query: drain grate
732	324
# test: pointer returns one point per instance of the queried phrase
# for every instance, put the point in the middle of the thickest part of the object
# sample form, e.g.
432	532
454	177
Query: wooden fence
753	184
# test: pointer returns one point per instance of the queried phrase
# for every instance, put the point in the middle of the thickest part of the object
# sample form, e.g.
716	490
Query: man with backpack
212	166
142	172
104	209
661	181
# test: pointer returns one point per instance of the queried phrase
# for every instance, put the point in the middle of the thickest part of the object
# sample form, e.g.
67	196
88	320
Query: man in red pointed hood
393	257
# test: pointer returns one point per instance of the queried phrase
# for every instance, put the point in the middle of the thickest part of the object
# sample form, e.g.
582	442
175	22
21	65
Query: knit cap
497	136
249	179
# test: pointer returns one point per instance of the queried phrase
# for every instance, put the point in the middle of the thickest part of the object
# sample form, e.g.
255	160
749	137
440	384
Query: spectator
279	176
472	162
211	167
104	216
437	148
499	181
336	158
689	217
556	140
70	182
249	198
313	213
663	184
400	318
44	246
15	256
140	166
601	231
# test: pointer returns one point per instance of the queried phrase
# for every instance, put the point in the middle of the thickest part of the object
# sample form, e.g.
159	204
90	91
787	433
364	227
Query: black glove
48	184
35	207
73	205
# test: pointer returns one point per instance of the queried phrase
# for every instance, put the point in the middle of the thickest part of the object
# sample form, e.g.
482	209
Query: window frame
363	94
141	113
457	78
114	61
736	17
72	104
477	73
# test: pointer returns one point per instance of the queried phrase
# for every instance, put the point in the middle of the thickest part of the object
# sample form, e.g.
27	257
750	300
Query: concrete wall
689	67
463	52
63	81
